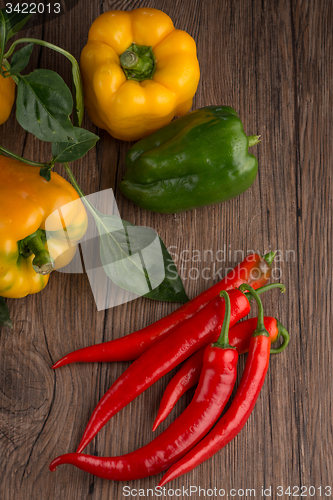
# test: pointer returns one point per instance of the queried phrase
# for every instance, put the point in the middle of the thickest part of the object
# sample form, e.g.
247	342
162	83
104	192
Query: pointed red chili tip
63	459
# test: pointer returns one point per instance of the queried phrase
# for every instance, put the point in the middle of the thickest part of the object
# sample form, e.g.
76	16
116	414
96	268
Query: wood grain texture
271	61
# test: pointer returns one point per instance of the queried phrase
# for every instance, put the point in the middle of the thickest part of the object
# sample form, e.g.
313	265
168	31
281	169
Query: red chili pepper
215	386
189	373
162	357
254	270
241	407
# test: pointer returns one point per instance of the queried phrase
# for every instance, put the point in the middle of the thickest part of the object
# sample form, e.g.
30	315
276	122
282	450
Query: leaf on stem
4	314
20	59
171	289
43	105
45	172
14	22
70	151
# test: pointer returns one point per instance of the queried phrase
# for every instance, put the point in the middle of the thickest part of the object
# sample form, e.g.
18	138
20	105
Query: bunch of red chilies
197	332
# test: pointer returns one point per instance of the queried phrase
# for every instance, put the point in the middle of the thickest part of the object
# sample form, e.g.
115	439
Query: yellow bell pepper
138	72
34	237
7	97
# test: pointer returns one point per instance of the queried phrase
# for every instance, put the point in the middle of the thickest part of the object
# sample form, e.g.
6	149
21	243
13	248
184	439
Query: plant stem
6	65
74	182
17	157
223	340
260	330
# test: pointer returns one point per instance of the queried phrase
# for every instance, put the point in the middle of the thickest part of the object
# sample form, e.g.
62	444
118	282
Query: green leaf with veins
14	22
43	105
70	151
20	59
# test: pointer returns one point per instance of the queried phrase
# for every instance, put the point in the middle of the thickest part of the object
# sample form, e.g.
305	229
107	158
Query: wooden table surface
272	62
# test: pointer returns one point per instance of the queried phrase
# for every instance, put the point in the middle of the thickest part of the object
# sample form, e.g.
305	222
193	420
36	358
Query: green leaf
2	37
172	288
136	259
69	151
20	59
14	22
45	172
43	105
4	314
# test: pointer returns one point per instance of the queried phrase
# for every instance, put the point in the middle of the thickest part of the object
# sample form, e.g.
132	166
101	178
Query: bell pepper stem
138	62
43	262
128	59
223	340
253	140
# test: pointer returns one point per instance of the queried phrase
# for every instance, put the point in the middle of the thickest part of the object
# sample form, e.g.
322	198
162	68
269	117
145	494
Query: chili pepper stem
223	340
253	140
265	288
284	333
43	262
269	257
260	330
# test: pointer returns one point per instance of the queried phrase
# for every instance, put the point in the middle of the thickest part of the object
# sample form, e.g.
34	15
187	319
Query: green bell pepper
199	159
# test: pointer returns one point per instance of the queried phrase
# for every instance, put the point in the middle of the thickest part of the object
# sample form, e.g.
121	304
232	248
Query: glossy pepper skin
254	270
7	97
236	416
129	101
215	386
199	159
189	373
27	200
162	357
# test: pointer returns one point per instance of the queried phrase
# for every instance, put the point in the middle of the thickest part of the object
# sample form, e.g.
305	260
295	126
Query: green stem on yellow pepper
138	62
43	262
